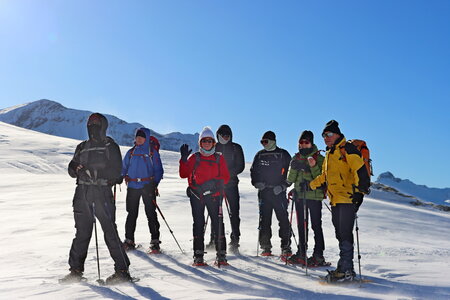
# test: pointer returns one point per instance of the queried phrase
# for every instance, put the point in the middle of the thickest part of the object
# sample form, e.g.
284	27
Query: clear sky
381	68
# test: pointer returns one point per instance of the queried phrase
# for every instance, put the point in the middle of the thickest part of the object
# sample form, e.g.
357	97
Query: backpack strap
198	159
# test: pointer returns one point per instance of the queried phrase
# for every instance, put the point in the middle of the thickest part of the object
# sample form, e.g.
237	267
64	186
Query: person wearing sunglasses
234	157
268	174
347	181
305	166
207	173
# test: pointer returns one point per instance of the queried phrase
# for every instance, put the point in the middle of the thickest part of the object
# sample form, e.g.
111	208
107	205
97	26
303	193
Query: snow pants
343	217
314	209
132	201
198	228
269	202
92	201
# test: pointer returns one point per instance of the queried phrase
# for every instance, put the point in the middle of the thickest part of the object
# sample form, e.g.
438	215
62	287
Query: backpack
154	143
365	153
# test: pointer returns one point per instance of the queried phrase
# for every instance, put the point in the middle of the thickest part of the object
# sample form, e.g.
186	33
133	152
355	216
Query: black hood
96	126
223	130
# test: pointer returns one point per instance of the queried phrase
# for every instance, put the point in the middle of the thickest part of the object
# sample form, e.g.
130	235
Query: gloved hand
279	189
357	200
298	165
292	194
260	186
185	151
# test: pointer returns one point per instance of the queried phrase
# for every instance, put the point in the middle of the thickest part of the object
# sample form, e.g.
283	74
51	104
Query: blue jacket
142	162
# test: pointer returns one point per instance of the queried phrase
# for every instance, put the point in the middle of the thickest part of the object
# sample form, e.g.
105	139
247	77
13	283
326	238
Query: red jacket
206	170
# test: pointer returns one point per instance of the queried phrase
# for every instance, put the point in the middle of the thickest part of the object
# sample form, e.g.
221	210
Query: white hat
206	133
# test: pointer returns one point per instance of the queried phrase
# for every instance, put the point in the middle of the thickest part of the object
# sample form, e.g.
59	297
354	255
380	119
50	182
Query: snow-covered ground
405	250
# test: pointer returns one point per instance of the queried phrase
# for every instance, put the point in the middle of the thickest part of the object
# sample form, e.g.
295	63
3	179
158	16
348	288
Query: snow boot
129	245
221	260
73	277
233	247
199	261
266	252
297	259
317	261
120	276
286	252
338	276
154	247
211	244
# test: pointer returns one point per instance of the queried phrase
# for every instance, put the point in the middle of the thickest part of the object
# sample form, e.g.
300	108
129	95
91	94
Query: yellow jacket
340	175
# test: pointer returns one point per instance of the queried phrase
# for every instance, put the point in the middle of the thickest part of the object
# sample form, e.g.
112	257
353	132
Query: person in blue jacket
142	170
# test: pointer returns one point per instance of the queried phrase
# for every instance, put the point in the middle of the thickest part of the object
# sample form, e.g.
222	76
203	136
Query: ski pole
305	225
259	224
219	233
162	216
99	280
357	243
290	221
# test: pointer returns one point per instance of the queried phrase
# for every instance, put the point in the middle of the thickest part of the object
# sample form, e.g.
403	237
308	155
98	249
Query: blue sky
381	68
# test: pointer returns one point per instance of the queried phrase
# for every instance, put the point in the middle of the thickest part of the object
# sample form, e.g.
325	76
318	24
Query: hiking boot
72	277
128	245
154	246
211	245
297	259
266	252
199	261
340	276
233	246
317	261
120	276
221	260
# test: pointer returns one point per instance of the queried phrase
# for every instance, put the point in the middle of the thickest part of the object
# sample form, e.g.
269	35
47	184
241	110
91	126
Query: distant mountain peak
53	118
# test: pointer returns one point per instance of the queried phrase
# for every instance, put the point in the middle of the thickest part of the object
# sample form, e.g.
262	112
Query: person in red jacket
207	174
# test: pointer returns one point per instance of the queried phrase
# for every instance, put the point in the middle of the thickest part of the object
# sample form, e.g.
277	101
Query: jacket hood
100	120
224	129
147	132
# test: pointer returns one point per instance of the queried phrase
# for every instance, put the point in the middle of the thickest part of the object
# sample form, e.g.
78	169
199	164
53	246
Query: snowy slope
422	192
51	117
405	250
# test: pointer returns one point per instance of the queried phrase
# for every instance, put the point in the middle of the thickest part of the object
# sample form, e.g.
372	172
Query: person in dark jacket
268	175
347	181
96	165
207	174
234	157
142	170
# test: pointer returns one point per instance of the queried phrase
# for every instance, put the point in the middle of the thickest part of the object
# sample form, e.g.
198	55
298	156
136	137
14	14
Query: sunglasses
225	136
264	142
327	134
304	142
207	141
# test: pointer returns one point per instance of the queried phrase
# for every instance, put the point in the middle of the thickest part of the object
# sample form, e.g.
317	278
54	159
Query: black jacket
233	154
270	167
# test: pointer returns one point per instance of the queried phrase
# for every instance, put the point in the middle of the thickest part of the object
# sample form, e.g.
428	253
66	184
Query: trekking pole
357	243
219	237
259	225
305	226
327	206
162	216
99	280
290	221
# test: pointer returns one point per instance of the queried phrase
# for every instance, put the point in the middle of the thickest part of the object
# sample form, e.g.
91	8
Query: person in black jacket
97	165
268	174
234	157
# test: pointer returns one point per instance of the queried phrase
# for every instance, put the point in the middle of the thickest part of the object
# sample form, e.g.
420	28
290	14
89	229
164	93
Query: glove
279	189
298	165
185	151
357	200
260	185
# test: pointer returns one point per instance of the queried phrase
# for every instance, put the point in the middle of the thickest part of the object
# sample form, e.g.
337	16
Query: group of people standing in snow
212	175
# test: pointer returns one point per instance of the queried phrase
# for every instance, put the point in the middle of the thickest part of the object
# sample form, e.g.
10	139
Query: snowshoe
337	276
154	247
317	261
73	277
128	245
211	245
199	261
120	276
297	259
233	247
266	252
221	261
286	252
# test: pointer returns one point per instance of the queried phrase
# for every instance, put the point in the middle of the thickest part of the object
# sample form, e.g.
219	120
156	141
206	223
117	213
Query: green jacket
300	171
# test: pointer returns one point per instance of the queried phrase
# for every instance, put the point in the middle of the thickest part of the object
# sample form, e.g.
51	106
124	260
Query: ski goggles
327	134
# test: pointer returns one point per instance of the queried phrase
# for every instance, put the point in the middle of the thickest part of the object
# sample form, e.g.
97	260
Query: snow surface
405	250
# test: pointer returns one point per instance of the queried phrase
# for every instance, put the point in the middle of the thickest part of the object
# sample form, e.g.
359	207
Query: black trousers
269	202
343	217
88	201
233	198
132	201
314	210
198	214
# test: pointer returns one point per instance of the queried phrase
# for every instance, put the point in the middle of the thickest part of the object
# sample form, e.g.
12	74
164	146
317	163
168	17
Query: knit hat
332	126
141	133
307	135
269	135
206	133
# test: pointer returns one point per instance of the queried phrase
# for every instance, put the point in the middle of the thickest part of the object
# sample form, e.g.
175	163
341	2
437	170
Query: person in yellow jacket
346	180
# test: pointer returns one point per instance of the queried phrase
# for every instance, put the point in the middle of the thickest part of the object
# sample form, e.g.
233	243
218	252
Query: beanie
307	135
141	133
224	130
332	126
269	135
206	133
